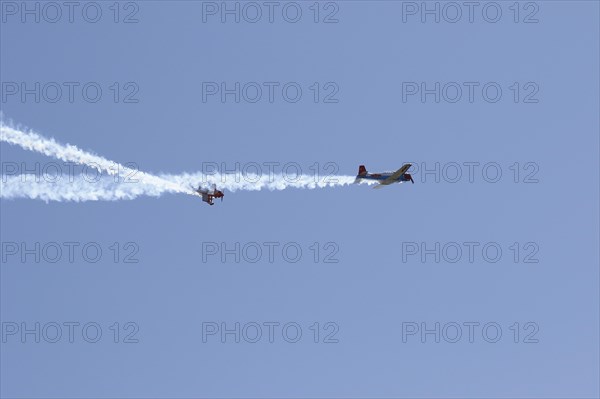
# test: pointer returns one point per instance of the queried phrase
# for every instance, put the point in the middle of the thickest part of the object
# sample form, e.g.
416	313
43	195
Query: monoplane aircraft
386	178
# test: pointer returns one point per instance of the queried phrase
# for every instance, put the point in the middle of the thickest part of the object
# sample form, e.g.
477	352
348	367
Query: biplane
207	195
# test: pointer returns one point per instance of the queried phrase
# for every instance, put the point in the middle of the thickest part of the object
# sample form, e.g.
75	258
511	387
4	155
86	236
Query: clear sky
386	287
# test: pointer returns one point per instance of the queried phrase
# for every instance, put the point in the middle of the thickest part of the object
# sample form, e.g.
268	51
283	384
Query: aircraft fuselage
383	176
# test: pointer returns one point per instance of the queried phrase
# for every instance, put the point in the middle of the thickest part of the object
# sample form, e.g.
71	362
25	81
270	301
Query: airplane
385	179
207	195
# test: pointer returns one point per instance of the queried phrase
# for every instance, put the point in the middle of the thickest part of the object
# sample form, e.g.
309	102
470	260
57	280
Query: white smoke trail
81	189
32	141
256	182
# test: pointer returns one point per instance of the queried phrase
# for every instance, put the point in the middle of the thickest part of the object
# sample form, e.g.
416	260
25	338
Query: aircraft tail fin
362	171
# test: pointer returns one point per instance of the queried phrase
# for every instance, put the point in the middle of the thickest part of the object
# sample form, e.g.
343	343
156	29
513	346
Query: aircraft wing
396	174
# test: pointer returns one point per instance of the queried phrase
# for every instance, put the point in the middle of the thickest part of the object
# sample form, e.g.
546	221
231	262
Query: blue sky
376	291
